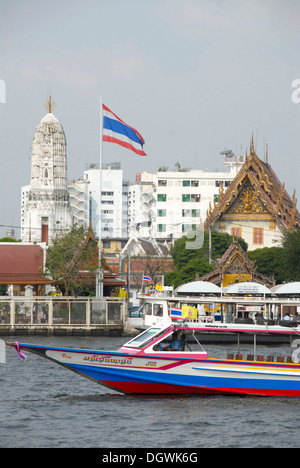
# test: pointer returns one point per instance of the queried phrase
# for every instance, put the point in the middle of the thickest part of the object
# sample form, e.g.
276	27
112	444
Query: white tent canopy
287	289
200	288
247	288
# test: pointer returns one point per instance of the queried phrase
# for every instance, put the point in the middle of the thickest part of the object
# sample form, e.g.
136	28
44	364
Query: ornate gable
256	193
247	201
236	267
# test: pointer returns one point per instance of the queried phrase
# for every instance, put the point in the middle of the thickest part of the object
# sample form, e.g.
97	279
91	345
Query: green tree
269	261
69	256
291	256
191	262
9	239
3	290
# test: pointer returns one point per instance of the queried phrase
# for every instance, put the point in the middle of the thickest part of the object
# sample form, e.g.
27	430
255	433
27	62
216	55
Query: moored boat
154	362
220	319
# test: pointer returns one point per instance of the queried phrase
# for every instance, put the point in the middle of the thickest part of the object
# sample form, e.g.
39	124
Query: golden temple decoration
279	200
247	202
252	151
293	212
49	105
221	189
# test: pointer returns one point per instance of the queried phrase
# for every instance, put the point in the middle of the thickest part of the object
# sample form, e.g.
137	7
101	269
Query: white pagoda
45	202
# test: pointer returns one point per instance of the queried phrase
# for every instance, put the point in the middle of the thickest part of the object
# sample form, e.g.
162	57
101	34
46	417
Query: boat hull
157	375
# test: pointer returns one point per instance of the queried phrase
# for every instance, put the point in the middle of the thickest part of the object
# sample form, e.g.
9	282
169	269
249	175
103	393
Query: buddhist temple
45	202
236	267
255	206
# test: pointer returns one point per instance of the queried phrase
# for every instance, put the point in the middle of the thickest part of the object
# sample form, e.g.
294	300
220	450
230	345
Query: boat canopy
247	288
288	289
198	288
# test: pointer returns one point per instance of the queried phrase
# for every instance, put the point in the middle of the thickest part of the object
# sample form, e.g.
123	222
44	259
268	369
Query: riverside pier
62	316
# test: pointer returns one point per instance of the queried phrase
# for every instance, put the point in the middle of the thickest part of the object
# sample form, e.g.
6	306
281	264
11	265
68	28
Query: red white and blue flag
176	313
147	279
116	131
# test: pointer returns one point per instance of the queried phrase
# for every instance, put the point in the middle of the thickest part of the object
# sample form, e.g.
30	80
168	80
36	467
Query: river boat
146	365
224	319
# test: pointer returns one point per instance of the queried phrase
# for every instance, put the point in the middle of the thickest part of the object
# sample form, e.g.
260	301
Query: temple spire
252	151
49	105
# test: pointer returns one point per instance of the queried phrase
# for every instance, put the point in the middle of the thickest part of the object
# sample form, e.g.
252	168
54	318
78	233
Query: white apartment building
79	201
142	206
114	195
158	205
170	204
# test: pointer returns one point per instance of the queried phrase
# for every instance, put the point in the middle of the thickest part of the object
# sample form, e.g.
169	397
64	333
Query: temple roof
22	264
236	261
256	190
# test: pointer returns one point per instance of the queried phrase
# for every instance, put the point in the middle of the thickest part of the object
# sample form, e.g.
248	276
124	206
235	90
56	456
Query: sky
192	76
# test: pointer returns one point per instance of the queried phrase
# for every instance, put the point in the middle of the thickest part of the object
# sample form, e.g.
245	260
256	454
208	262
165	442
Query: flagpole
99	278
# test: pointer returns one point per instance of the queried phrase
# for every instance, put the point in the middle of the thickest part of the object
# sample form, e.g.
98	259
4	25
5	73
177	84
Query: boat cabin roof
150	340
148	336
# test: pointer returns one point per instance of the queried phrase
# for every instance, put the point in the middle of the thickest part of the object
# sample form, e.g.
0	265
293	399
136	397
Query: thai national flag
117	131
176	313
147	279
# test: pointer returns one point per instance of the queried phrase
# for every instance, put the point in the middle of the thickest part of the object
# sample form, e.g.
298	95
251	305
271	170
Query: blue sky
193	76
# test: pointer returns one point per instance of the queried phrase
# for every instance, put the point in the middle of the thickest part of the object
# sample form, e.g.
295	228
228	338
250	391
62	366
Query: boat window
143	337
148	309
158	310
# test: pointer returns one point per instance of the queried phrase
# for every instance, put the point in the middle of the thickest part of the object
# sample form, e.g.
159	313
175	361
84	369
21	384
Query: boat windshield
145	337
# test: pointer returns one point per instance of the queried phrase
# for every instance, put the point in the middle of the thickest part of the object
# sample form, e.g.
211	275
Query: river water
44	405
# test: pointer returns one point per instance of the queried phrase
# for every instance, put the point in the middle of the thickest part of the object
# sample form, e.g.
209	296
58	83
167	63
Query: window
236	231
186	213
194	183
258	236
161	213
216	198
195	213
196	198
186	183
161	228
162	183
142	338
186	198
162	197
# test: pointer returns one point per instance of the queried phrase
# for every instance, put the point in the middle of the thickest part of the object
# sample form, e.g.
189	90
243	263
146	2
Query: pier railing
61	311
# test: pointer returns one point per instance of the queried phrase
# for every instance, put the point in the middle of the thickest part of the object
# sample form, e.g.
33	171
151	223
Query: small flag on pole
116	131
147	279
